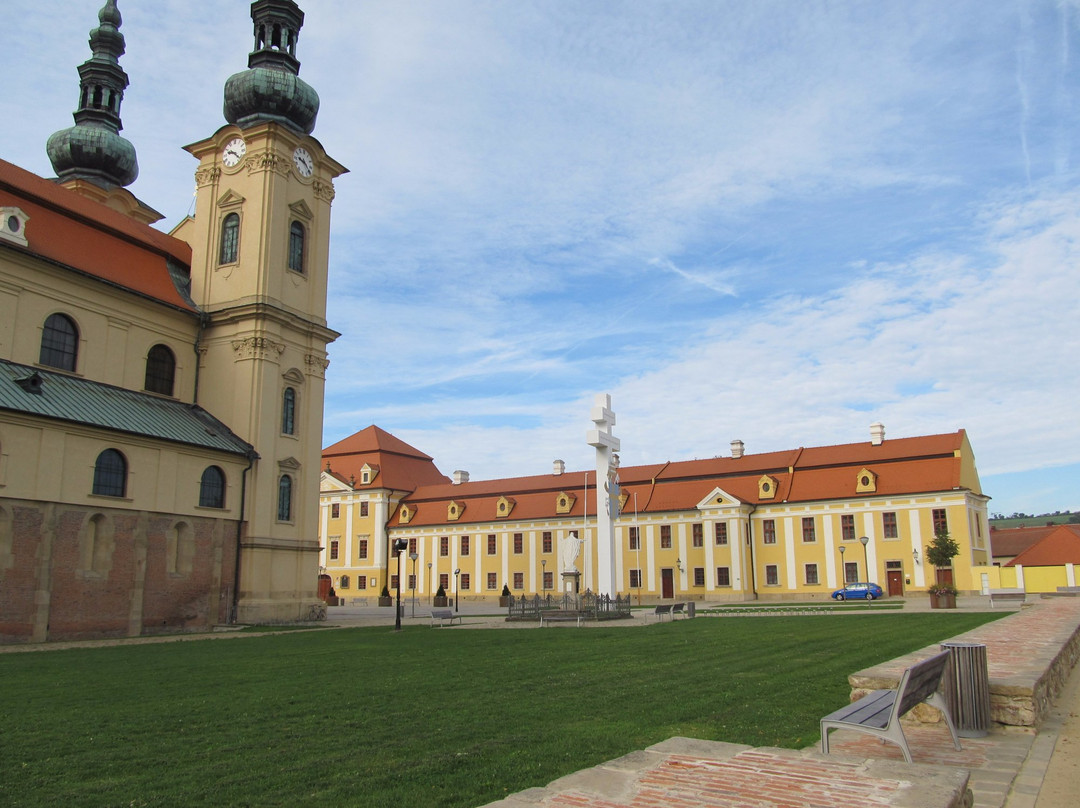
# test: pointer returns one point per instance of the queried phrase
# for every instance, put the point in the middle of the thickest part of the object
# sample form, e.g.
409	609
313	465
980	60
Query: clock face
304	164
234	152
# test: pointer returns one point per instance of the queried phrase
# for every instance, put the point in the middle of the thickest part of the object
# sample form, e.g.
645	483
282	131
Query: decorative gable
623	497
301	211
719	498
866	482
13	225
766	486
504	506
454	510
406	513
564	502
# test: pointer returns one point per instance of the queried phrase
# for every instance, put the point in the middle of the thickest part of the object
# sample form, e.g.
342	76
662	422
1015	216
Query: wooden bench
1007	594
661	610
879	712
442	615
555	617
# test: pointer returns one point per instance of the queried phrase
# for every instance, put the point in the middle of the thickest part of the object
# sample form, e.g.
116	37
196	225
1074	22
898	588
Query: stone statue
570	545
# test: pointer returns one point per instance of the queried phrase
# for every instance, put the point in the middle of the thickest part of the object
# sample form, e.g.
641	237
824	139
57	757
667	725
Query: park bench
677	609
556	617
661	610
442	615
1007	594
879	712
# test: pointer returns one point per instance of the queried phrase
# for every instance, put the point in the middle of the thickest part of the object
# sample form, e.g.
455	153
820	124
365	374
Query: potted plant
440	597
943	596
940	553
384	597
504	598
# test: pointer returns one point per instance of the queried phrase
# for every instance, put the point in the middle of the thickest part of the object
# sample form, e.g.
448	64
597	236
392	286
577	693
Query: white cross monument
607	493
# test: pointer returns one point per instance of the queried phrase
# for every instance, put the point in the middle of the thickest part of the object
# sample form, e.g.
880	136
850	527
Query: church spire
271	89
93	149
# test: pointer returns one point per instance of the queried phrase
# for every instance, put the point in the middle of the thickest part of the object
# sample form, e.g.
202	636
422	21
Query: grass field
366	717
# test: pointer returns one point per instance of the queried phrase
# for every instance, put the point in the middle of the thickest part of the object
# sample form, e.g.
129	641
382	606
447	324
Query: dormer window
866	482
405	513
766	487
564	502
13	225
454	511
504	506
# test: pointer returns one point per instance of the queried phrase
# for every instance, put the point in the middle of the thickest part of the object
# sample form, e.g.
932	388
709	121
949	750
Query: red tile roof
69	229
401	466
1011	541
1060	546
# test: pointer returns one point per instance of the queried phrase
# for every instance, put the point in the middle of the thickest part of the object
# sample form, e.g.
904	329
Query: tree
942	550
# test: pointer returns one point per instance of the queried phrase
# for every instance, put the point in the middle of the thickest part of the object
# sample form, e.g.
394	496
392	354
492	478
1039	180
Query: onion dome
92	149
271	88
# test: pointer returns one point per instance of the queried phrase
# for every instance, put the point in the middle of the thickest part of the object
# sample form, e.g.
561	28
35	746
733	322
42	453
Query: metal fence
587	605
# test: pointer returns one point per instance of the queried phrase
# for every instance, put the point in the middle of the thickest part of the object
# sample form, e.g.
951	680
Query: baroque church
161	395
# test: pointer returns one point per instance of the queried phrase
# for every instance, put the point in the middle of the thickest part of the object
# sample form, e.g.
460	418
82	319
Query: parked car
858	591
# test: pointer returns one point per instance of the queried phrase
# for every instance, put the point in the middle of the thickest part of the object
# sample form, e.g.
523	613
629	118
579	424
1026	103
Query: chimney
737	448
877	433
558	467
461	477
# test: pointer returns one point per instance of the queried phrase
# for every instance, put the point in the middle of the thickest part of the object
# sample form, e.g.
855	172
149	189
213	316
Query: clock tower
260	240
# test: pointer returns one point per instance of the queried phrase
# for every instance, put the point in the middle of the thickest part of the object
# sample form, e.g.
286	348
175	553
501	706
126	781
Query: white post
607	492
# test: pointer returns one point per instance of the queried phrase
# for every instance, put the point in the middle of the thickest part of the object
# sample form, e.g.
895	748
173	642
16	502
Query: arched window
230	239
284	499
110	474
288	412
160	370
296	247
59	342
212	488
344	584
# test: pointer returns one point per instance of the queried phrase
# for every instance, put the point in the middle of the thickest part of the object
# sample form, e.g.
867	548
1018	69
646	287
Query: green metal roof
35	391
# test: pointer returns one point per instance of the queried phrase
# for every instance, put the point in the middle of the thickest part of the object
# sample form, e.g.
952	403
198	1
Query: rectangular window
847	527
721	532
444	546
363	509
723	576
492	580
635	579
635	540
546	539
465	580
335	510
697	539
811	575
888	524
549	580
699	576
361	582
519	543
851	572
768	531
464	545
412	546
941	521
491	544
665	537
361	548
393	583
808	533
333	549
771	576
444	580
519	580
412	581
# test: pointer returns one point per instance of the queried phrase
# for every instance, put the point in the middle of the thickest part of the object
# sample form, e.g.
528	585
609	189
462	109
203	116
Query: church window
110	474
296	247
160	370
288	412
59	342
230	239
212	488
284	500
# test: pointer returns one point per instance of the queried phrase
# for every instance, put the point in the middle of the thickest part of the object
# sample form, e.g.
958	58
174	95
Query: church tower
260	241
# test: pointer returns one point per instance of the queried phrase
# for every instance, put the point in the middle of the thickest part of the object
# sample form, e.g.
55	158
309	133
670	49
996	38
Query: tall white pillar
607	492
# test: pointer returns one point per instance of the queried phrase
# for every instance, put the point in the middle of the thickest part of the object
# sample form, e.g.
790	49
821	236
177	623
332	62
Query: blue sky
772	221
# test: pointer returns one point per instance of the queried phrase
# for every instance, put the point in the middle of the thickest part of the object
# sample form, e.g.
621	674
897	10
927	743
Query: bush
942	550
943	589
506	591
440	592
385	592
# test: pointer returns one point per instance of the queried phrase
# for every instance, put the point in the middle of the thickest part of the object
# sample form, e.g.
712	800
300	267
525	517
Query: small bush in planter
440	592
506	591
943	589
384	597
504	598
440	596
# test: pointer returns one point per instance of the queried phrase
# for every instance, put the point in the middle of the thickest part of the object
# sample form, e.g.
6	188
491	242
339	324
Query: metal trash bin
966	685
690	608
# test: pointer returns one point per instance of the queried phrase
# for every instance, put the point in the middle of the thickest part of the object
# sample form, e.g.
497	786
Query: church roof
399	466
80	234
62	397
1059	546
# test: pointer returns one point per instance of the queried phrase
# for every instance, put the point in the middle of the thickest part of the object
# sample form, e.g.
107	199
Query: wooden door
896	582
667	583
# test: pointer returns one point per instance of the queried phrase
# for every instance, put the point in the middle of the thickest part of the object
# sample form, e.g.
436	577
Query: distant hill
1029	520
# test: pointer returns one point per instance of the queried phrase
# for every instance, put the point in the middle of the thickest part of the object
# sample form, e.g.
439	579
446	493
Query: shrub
506	591
440	592
943	589
385	592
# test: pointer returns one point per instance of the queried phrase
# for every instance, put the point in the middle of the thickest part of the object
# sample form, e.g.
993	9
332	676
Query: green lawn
422	718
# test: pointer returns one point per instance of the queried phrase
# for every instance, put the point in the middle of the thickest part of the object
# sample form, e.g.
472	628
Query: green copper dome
92	149
271	89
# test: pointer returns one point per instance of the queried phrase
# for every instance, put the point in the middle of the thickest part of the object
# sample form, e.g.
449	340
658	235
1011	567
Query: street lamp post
865	540
457	572
400	546
543	576
429	582
843	569
413	556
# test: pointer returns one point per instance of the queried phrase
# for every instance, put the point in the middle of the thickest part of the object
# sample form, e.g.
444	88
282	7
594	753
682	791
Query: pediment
328	482
293	375
718	498
301	210
230	199
289	464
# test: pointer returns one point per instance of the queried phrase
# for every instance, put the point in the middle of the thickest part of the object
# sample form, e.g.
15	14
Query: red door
667	583
896	582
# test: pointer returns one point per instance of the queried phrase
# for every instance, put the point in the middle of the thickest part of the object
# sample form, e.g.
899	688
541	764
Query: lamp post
843	569
413	556
543	576
400	546
865	540
457	572
430	592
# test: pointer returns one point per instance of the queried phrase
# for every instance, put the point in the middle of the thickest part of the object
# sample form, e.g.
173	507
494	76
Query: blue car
859	591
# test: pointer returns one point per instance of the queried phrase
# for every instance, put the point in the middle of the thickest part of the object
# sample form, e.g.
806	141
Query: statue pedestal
571	582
